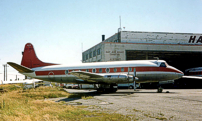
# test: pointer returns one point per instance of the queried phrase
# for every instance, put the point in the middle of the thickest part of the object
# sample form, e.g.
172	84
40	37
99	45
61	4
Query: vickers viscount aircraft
106	74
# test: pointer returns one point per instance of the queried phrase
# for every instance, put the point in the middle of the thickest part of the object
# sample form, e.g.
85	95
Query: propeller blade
134	72
134	75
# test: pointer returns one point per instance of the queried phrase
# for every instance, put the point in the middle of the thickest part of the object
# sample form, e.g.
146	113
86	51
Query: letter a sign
193	38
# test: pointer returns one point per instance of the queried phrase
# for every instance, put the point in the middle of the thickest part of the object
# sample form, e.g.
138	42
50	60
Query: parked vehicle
75	86
128	85
86	86
72	86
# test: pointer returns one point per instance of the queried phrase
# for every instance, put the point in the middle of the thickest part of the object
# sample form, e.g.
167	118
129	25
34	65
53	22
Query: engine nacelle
119	78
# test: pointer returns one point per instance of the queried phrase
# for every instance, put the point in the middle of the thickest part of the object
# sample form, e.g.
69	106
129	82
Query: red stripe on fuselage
138	69
53	72
163	69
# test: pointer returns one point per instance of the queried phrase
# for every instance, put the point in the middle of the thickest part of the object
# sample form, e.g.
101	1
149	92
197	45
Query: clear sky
57	28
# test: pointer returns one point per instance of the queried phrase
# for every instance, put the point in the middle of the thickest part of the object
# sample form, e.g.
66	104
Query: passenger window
163	64
100	70
107	70
115	69
87	70
122	69
94	70
66	72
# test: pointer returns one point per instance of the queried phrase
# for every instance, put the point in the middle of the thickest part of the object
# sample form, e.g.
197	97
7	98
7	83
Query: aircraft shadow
68	99
78	95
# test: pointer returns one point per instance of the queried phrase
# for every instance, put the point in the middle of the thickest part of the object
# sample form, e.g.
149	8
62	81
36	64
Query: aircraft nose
180	75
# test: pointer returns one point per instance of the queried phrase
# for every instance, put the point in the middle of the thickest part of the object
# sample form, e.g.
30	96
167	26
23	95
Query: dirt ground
178	104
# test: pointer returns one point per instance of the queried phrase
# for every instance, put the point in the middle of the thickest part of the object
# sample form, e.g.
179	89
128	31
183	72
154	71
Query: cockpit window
163	64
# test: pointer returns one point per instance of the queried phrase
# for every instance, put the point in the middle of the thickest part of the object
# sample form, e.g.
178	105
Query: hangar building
181	50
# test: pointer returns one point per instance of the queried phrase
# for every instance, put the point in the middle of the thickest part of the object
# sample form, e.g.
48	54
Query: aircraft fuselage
113	72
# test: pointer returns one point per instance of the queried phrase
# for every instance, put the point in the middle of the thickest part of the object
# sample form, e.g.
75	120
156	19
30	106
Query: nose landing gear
160	90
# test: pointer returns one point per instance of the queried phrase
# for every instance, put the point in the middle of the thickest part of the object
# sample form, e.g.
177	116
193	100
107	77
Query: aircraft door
51	75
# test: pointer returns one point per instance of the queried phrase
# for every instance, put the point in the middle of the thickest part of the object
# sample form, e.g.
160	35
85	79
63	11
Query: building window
107	70
94	53
87	70
100	70
122	69
86	56
90	55
83	57
98	51
66	72
115	69
116	41
94	70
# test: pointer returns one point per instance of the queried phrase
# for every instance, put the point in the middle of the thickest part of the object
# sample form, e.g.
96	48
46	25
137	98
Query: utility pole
5	72
119	31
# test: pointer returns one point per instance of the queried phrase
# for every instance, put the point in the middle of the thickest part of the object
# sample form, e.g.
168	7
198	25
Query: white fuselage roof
138	63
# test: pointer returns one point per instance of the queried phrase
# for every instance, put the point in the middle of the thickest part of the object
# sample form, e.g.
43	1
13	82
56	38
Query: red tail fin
29	58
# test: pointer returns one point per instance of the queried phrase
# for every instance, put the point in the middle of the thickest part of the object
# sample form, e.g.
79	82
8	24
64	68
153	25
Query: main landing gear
160	90
107	88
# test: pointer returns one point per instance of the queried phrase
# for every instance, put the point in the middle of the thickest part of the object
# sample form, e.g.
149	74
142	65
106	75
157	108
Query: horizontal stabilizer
192	77
20	68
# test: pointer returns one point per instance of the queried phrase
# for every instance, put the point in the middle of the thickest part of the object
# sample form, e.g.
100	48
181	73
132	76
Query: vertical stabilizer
29	58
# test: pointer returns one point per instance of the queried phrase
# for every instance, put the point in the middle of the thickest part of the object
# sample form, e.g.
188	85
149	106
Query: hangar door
180	60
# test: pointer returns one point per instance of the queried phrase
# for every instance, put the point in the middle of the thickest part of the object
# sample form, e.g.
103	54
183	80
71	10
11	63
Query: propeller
134	79
128	74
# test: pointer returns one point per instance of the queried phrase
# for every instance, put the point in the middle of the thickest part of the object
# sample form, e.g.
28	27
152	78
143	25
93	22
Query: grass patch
82	96
87	97
156	117
161	118
137	110
17	104
44	92
10	87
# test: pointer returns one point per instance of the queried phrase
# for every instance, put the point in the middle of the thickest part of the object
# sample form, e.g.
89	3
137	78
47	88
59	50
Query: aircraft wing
85	75
102	78
192	77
